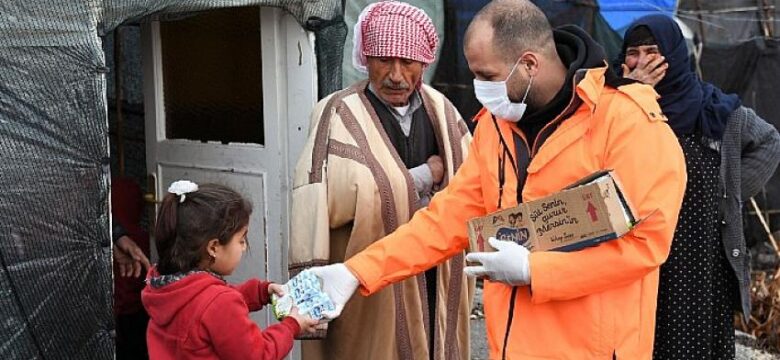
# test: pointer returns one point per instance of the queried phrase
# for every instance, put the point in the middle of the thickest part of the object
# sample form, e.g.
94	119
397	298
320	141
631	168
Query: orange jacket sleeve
433	235
650	165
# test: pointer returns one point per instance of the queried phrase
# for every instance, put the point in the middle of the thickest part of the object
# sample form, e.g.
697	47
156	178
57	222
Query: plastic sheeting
453	77
621	13
727	21
585	14
55	270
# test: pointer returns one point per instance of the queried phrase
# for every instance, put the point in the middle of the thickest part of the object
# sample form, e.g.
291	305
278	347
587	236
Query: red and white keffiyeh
393	29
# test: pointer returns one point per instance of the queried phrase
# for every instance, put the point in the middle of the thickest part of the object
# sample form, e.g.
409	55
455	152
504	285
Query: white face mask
494	96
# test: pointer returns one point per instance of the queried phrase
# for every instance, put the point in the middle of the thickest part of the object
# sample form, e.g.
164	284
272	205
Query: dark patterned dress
695	314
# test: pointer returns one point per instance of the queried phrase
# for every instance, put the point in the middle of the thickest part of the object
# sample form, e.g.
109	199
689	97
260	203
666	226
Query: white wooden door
227	100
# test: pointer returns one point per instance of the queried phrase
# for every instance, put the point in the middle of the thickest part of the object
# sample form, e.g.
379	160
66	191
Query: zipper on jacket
557	119
513	297
501	179
509	321
502	162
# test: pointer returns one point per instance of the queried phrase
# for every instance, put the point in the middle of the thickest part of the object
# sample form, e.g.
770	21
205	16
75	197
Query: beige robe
350	189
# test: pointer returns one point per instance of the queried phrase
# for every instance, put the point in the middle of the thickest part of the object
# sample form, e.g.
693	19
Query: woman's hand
649	70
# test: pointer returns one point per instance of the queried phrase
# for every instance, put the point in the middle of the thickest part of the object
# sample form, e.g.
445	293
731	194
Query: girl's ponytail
165	233
189	217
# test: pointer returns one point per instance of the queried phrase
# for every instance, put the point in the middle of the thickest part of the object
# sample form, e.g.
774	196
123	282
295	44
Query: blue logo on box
519	236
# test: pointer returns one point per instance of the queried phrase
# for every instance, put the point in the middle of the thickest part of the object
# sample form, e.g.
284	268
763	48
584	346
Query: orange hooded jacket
596	303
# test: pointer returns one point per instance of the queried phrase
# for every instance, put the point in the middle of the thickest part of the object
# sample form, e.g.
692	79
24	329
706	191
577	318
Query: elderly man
554	113
376	152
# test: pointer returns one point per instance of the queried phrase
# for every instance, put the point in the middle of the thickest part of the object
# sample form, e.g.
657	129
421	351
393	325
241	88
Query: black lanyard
502	163
520	186
501	180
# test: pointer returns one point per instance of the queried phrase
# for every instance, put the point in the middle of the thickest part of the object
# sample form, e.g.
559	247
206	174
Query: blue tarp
620	13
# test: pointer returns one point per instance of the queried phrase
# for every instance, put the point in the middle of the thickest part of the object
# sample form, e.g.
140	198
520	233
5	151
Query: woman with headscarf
730	154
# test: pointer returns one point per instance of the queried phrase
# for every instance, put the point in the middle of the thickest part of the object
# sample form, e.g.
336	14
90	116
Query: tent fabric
587	15
453	77
726	21
55	275
620	13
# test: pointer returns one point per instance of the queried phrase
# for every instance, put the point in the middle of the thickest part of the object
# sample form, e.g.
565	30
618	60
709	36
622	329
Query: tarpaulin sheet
55	273
621	13
585	14
453	77
727	21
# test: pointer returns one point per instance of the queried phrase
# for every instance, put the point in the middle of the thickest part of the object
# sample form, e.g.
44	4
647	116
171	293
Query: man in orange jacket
554	113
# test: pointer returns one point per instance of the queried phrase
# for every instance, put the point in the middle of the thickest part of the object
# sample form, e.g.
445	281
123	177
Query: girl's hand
276	289
307	324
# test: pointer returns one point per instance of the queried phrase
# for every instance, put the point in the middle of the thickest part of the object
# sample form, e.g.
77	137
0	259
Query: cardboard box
587	213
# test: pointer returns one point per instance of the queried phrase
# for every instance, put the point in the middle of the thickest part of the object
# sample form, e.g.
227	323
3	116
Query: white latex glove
509	264
339	283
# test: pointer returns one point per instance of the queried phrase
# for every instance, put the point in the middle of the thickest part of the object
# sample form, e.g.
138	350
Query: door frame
289	95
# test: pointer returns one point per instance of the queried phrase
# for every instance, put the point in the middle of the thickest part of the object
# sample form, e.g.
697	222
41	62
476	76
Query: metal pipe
701	22
769	18
727	10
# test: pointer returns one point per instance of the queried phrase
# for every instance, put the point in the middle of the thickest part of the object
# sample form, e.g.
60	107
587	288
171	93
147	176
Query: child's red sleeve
227	325
255	293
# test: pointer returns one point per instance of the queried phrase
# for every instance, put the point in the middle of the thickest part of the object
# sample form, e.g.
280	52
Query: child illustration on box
195	314
480	238
515	219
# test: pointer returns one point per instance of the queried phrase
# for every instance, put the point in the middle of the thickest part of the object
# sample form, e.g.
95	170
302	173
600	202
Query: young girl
200	236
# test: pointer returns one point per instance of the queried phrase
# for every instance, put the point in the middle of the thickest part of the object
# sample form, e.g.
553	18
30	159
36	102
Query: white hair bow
182	187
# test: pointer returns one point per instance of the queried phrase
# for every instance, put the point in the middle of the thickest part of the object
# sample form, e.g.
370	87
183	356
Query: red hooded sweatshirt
202	317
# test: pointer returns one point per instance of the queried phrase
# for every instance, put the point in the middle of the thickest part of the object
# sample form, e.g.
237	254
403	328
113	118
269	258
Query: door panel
252	185
241	124
212	78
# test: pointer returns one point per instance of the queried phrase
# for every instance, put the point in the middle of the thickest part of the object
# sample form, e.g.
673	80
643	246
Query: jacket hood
580	54
577	49
165	302
588	54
